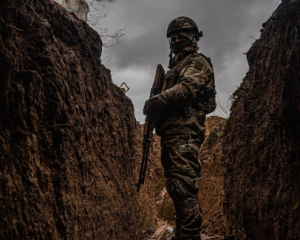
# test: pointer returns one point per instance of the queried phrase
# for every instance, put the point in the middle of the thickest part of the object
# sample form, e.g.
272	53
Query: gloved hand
151	104
147	107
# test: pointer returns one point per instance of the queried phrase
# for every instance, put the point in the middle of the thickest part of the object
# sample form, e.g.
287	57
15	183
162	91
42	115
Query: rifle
158	85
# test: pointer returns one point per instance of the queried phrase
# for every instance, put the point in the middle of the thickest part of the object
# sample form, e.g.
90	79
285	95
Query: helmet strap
170	56
170	60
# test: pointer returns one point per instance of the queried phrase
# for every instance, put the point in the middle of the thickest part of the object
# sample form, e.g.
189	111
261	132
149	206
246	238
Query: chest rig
173	75
205	99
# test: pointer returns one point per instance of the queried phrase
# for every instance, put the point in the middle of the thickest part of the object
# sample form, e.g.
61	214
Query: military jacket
183	106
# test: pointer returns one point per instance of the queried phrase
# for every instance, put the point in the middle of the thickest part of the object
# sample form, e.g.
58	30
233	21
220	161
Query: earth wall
262	137
69	142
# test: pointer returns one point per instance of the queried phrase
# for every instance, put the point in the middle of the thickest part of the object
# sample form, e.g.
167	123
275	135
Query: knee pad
175	188
179	188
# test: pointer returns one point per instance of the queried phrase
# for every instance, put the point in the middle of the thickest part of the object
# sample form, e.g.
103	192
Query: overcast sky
229	27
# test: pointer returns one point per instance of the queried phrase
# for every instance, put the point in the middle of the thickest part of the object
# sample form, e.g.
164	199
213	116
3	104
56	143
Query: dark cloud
228	25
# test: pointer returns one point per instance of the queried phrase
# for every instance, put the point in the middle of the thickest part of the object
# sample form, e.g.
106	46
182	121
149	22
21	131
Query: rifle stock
158	86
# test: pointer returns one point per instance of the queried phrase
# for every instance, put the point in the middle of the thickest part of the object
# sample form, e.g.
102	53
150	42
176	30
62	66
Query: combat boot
176	234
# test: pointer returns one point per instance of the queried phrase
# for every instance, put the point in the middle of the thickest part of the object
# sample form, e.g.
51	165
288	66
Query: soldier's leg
182	169
187	209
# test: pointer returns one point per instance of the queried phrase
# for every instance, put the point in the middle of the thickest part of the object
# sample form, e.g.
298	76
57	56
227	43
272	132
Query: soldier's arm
193	78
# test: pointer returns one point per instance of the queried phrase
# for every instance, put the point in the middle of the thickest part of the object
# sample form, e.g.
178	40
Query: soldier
181	111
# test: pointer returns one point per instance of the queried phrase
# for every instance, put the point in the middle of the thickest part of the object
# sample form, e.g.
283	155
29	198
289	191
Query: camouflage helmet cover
181	24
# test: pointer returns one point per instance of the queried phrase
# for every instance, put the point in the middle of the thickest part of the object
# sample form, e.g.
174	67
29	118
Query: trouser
182	169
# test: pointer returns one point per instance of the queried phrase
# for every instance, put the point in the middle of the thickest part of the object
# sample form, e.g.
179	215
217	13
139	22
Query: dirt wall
262	137
211	183
69	151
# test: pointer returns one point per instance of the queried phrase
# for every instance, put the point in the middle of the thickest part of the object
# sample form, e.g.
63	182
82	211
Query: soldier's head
182	32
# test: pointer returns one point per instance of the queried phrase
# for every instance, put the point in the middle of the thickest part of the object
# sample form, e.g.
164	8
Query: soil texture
69	142
262	137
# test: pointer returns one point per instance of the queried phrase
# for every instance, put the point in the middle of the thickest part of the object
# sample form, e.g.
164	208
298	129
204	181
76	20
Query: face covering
178	46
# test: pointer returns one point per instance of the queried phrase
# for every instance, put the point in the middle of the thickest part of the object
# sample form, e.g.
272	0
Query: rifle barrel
143	163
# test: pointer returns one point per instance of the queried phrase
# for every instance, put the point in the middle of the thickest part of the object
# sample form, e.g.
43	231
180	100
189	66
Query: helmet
183	24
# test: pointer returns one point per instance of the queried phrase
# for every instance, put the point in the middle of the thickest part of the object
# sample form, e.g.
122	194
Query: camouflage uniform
180	124
181	110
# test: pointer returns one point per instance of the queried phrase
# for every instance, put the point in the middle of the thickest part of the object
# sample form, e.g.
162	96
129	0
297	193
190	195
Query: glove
151	104
147	107
156	103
